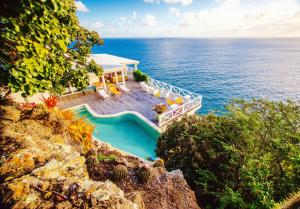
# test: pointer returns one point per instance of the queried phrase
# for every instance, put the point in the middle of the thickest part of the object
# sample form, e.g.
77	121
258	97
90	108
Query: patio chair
123	88
103	94
114	90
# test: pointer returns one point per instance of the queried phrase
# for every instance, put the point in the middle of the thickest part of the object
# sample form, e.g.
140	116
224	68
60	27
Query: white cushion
103	94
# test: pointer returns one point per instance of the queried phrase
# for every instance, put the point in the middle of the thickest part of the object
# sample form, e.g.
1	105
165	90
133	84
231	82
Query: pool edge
116	115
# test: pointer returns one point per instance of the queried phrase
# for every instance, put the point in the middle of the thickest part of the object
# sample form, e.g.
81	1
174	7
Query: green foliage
247	158
119	172
139	76
40	42
106	158
144	174
93	67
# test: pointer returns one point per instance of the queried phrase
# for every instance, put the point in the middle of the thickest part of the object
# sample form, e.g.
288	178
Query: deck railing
193	102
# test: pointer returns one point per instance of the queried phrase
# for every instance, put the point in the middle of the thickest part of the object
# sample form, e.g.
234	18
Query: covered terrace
115	69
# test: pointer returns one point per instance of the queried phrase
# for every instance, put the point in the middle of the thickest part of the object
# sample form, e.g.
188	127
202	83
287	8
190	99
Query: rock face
42	167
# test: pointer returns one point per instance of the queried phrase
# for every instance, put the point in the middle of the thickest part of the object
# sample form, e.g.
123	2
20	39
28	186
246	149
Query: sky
191	18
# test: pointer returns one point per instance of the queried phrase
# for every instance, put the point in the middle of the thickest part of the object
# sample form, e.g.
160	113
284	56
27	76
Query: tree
247	158
41	42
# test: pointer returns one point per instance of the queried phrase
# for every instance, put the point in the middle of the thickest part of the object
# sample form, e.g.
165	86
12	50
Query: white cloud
97	25
183	2
230	18
150	20
152	1
123	18
134	15
81	7
225	18
174	11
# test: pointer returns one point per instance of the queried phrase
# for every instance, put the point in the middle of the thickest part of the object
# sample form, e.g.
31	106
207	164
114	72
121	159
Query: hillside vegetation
247	158
48	159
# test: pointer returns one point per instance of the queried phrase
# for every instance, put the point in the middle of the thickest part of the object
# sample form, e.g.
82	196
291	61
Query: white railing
193	102
186	107
176	90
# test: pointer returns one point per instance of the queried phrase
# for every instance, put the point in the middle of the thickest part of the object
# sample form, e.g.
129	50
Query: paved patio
135	100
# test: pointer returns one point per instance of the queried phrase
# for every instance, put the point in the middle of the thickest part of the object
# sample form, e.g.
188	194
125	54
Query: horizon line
175	37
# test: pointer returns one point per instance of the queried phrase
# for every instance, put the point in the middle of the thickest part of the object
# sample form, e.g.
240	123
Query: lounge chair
103	94
144	86
164	93
153	91
170	101
114	90
174	106
123	88
179	100
187	97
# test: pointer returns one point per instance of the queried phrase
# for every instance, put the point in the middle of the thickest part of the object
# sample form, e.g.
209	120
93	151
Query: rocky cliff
43	166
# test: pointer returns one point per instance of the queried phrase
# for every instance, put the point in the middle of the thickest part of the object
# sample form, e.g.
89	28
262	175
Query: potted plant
159	109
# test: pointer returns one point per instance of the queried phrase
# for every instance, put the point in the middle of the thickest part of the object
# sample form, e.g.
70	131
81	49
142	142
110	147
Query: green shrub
247	158
139	76
106	158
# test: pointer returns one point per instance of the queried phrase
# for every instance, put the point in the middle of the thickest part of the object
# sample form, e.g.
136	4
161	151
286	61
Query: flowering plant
160	108
50	102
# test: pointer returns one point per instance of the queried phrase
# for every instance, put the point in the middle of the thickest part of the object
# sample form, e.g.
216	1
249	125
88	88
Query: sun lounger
179	100
114	90
103	94
170	101
144	86
174	106
187	97
164	93
153	91
123	88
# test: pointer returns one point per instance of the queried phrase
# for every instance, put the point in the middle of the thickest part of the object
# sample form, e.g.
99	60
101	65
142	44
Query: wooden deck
135	100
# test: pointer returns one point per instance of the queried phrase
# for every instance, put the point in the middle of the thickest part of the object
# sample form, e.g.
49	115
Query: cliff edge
43	165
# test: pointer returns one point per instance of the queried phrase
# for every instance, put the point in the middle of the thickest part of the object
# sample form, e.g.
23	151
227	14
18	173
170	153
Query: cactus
91	163
91	160
144	174
159	163
119	172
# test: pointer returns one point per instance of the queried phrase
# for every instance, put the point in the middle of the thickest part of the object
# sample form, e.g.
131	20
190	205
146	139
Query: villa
117	92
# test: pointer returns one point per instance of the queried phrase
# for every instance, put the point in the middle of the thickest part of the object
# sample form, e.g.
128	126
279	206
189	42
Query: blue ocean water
218	69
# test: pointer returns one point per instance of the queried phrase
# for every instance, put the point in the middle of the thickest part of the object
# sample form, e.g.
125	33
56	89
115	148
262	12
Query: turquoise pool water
127	132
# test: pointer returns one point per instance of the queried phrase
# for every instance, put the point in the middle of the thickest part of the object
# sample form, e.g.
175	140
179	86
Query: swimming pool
127	132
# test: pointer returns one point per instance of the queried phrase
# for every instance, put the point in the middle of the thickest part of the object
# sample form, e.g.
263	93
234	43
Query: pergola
113	64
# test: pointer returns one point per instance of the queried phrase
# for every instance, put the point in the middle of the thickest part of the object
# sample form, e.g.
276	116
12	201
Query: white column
135	66
103	81
123	76
116	77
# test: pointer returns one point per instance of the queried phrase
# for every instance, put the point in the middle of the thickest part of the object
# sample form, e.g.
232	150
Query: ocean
218	69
